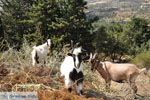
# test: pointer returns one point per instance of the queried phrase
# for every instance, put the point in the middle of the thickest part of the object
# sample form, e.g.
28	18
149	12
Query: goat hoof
81	92
69	89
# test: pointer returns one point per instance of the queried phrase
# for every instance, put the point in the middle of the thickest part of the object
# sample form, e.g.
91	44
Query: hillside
118	10
18	75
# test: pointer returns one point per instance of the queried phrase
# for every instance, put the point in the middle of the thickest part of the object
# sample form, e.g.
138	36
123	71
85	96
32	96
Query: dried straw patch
34	75
62	95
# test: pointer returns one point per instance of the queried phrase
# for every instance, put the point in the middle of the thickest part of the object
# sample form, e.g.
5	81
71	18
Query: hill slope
118	10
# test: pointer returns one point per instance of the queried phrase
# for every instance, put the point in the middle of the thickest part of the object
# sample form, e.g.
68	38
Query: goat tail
142	70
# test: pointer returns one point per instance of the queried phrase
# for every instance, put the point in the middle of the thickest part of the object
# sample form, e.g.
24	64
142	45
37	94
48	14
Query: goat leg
134	87
79	88
108	83
68	84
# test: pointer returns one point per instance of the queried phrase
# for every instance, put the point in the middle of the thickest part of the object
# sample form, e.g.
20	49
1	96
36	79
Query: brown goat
118	72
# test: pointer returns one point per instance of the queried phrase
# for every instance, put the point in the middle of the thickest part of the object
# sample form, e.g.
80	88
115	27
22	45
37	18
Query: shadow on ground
93	94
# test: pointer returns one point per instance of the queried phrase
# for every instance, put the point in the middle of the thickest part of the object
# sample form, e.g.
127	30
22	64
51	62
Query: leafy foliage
62	20
137	35
108	40
37	20
11	16
116	40
65	22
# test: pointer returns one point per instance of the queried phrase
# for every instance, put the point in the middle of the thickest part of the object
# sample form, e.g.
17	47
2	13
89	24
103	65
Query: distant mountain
118	10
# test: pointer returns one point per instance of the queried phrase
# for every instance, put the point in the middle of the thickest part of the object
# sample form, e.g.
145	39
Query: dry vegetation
17	74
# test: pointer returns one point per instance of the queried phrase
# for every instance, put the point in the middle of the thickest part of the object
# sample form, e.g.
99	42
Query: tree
79	25
118	47
2	44
13	12
109	41
1	30
37	20
137	35
62	21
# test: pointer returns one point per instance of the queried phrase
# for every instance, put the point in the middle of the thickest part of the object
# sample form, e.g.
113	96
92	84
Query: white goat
72	69
39	53
118	72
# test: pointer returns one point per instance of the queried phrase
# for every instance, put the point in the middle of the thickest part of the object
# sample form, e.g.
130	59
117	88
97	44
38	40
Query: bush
142	59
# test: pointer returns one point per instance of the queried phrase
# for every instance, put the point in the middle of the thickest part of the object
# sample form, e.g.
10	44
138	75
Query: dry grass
62	95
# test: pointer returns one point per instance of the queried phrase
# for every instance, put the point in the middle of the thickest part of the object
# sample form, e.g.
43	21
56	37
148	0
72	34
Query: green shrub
142	59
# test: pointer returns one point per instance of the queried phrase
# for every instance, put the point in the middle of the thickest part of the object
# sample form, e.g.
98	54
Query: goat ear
80	48
48	42
70	54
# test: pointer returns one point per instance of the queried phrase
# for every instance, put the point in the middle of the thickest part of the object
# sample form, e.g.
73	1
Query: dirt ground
50	85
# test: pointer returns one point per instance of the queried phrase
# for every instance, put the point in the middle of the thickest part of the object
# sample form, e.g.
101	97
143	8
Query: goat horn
95	55
90	57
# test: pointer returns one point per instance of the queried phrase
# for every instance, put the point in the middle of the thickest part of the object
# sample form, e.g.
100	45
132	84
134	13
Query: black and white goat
72	70
39	53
